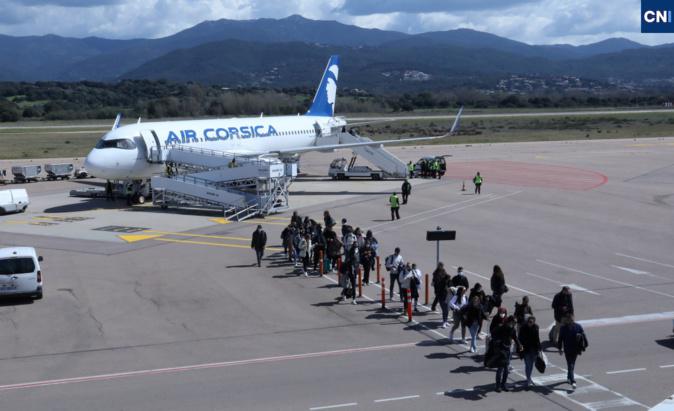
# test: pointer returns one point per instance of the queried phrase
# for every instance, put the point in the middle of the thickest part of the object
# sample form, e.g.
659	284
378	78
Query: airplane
122	153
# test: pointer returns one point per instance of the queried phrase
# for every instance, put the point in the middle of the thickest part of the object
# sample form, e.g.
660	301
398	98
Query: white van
13	201
20	273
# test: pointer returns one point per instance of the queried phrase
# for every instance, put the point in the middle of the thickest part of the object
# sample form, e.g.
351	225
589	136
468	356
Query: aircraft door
153	149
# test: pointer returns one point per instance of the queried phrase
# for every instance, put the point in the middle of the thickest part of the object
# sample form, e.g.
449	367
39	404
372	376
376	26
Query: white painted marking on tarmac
648	290
589	389
571	286
509	285
407	397
645	260
473	199
667	366
196	367
330	407
637	272
397	226
619	402
628	319
625	371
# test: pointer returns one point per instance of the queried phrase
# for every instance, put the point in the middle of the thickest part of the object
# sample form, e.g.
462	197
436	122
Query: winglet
324	100
117	120
457	122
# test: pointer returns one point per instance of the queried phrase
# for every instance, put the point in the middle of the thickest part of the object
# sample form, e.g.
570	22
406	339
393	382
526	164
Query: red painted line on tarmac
196	367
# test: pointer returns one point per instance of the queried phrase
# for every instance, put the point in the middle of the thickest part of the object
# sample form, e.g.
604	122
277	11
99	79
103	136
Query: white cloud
531	21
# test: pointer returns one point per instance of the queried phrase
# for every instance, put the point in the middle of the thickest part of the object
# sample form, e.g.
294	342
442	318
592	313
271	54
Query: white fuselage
121	153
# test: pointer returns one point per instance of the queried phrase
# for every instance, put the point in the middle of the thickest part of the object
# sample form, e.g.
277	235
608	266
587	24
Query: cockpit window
123	143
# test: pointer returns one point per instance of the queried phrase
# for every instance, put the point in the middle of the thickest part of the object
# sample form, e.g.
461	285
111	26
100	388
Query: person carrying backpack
573	341
531	346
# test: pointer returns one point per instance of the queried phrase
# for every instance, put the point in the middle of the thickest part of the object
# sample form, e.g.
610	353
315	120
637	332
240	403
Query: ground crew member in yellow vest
436	168
394	202
410	169
477	180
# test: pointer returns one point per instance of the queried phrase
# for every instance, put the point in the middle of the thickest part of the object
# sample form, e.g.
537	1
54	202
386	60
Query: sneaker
342	298
498	388
573	385
306	274
354	302
510	368
444	325
479	337
473	350
505	388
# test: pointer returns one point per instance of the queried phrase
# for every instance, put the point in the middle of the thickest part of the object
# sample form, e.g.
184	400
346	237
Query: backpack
388	263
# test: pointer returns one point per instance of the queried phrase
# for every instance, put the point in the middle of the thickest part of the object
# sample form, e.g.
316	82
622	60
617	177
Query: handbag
541	362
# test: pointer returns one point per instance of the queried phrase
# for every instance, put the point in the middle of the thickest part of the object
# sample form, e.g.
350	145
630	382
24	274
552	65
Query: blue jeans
529	361
445	310
570	365
473	334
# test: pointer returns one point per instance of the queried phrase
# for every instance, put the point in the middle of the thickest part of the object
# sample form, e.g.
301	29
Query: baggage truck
13	201
25	174
3	177
56	171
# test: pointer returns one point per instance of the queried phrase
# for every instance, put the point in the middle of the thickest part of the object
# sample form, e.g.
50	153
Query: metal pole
437	249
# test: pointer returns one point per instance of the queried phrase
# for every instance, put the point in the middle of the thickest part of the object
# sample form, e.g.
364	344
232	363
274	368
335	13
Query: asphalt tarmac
164	310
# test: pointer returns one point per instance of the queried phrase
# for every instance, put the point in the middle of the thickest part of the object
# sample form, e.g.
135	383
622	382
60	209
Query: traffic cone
463	185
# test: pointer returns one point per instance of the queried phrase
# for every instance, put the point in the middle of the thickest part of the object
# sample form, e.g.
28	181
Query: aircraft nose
104	164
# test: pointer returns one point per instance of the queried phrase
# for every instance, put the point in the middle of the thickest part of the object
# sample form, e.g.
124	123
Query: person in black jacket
498	286
318	241
562	304
472	317
441	282
531	346
460	280
522	311
258	243
502	340
574	341
406	190
478	292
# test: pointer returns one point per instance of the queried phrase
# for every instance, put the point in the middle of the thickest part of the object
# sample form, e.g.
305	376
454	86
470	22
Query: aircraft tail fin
324	100
117	120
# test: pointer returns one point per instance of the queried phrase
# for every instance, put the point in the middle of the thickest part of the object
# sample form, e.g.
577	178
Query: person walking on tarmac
394	263
502	339
531	346
562	305
406	190
258	243
405	278
498	286
410	169
573	340
460	280
477	180
441	282
394	202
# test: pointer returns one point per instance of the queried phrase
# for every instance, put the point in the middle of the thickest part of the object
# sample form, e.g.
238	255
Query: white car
20	273
13	201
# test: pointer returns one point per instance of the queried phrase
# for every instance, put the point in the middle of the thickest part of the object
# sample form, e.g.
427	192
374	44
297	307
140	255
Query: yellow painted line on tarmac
219	220
134	238
224	245
16	222
278	218
217	237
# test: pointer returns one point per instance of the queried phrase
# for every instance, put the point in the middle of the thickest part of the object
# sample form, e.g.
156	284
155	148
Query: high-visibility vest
477	180
395	202
410	167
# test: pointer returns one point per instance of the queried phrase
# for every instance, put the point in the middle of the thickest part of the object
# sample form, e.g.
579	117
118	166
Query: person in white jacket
416	285
456	304
405	277
305	252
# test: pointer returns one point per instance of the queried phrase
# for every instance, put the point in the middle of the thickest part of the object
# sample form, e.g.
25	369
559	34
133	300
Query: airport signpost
440	235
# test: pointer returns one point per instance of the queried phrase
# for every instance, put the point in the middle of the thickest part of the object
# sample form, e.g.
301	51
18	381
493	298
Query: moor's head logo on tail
326	94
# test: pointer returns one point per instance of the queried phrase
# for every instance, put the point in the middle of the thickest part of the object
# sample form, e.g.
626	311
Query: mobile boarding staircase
391	165
240	186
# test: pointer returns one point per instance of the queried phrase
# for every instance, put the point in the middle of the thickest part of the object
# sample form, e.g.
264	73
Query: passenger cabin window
122	143
10	266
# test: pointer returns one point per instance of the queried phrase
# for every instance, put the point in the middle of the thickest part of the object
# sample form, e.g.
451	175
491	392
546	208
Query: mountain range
292	52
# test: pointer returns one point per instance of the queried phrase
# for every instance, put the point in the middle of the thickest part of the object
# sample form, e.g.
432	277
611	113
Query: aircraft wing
328	147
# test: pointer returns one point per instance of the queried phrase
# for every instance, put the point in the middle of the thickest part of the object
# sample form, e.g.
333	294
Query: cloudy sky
531	21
